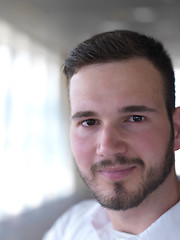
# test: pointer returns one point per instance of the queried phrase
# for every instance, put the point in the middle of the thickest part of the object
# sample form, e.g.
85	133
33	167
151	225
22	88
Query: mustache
118	160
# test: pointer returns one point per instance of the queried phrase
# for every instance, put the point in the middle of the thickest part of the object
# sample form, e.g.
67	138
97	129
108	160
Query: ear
176	121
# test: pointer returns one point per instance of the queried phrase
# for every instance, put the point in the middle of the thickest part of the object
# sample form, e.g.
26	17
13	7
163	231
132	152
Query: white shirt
89	221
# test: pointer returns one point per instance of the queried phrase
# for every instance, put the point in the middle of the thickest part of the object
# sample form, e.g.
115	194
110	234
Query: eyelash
84	123
139	118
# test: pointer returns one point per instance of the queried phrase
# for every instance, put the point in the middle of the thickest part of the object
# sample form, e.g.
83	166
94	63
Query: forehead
130	80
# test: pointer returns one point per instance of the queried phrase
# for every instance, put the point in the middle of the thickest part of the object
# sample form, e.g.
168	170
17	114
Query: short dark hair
122	45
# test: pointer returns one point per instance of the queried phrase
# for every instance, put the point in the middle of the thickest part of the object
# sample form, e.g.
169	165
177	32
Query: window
34	153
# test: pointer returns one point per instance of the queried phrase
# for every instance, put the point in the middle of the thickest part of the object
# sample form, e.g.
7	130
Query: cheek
152	145
83	150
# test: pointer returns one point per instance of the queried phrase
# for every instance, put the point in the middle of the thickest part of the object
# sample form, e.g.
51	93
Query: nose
111	142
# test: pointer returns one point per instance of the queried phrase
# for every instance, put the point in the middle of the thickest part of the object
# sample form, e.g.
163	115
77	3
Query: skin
118	110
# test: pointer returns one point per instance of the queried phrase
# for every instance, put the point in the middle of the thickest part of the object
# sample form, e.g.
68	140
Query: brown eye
136	118
89	122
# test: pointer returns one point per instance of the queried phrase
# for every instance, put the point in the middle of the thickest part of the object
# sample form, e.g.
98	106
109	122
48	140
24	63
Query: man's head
121	45
122	102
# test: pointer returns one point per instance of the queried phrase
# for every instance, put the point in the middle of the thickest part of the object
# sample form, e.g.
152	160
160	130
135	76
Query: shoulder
84	206
71	221
79	210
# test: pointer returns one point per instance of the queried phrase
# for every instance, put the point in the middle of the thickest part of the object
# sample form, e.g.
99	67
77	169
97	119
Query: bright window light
35	161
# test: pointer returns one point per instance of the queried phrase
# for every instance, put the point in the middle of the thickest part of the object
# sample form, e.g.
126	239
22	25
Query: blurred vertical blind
34	164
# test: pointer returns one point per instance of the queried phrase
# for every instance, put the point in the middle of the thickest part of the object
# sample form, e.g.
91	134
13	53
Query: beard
120	198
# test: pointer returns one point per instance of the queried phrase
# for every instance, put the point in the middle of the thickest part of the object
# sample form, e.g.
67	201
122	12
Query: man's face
120	132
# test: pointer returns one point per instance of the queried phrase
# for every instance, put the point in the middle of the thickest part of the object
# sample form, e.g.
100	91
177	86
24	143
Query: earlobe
176	121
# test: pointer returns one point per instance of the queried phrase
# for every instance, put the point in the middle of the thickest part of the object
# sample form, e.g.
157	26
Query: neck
137	219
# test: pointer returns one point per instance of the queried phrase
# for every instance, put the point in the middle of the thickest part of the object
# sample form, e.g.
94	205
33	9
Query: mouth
116	173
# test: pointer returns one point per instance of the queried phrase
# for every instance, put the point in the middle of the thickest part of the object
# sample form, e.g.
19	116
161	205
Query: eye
89	122
136	118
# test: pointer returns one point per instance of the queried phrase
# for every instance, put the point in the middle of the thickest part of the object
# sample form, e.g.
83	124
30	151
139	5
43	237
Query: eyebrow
137	108
82	114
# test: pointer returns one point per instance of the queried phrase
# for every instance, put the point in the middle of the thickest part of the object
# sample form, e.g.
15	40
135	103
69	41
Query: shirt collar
166	227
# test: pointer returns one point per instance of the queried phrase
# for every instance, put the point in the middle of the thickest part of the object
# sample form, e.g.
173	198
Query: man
124	131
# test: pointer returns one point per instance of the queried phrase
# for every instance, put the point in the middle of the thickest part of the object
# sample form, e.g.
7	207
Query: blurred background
38	178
